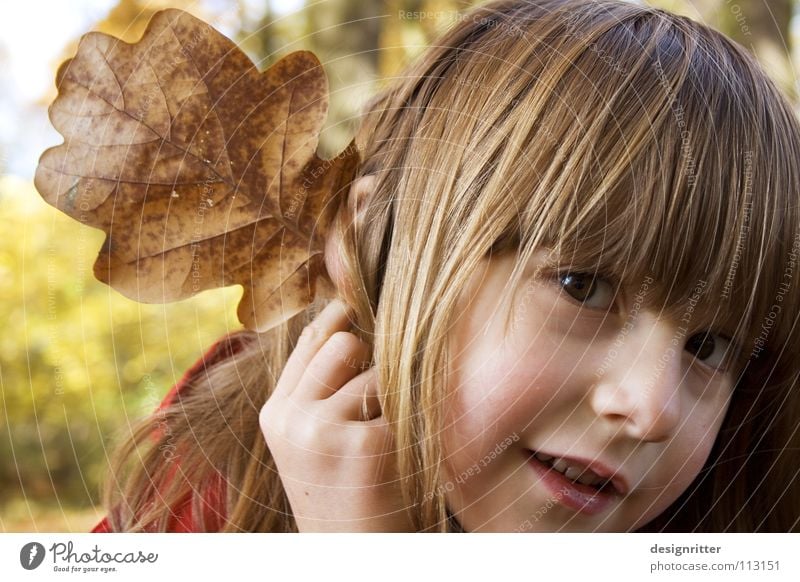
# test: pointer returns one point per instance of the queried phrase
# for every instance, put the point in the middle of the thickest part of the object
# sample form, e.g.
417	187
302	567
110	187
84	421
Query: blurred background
79	362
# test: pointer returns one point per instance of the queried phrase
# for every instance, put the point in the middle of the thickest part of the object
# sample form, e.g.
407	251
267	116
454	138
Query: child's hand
337	469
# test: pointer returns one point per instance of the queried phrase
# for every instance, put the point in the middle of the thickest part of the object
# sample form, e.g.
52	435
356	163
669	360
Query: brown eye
701	345
711	349
585	289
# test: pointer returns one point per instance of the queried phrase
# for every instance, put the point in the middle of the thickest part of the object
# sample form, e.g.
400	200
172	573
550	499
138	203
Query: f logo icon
31	555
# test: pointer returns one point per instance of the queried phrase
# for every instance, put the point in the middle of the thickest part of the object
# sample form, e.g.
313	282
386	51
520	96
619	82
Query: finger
343	357
333	318
358	400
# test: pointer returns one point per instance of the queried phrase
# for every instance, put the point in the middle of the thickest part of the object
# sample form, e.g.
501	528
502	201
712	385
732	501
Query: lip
579	497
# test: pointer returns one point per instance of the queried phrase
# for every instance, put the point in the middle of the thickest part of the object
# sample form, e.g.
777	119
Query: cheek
679	467
498	392
695	446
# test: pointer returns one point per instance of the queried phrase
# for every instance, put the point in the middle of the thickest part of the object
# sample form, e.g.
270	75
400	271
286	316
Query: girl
568	303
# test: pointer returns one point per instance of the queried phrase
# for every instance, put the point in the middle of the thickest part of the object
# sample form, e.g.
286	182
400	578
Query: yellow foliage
78	361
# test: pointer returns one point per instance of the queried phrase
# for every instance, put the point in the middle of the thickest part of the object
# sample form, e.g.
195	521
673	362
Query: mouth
588	488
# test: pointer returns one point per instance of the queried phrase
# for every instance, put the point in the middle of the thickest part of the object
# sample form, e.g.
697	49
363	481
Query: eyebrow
701	313
698	316
724	322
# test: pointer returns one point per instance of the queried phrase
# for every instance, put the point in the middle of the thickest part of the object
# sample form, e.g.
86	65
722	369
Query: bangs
666	166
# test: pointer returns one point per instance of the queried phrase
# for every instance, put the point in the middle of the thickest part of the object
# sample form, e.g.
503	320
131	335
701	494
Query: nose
639	387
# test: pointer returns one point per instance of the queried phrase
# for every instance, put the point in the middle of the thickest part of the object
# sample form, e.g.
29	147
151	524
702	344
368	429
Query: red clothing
181	520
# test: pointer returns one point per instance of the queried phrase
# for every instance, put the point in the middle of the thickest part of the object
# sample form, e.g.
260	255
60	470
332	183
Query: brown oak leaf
201	170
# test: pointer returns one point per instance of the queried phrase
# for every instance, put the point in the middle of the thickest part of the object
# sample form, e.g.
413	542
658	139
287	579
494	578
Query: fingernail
341	306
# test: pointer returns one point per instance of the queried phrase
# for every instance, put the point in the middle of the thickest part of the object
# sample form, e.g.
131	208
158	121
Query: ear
360	191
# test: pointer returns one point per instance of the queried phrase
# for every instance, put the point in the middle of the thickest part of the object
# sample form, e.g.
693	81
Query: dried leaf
202	171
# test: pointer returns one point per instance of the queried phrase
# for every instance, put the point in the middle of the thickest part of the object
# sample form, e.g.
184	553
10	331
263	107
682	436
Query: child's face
572	380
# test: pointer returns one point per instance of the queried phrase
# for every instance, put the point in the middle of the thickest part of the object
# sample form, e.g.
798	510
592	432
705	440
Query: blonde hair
633	142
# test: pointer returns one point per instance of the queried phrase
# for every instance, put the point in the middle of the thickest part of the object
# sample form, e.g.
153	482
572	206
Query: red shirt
181	520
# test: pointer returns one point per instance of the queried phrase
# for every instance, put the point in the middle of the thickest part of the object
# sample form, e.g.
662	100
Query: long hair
632	141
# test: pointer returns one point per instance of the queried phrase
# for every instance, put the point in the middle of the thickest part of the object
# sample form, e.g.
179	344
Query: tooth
589	478
560	465
572	472
542	457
